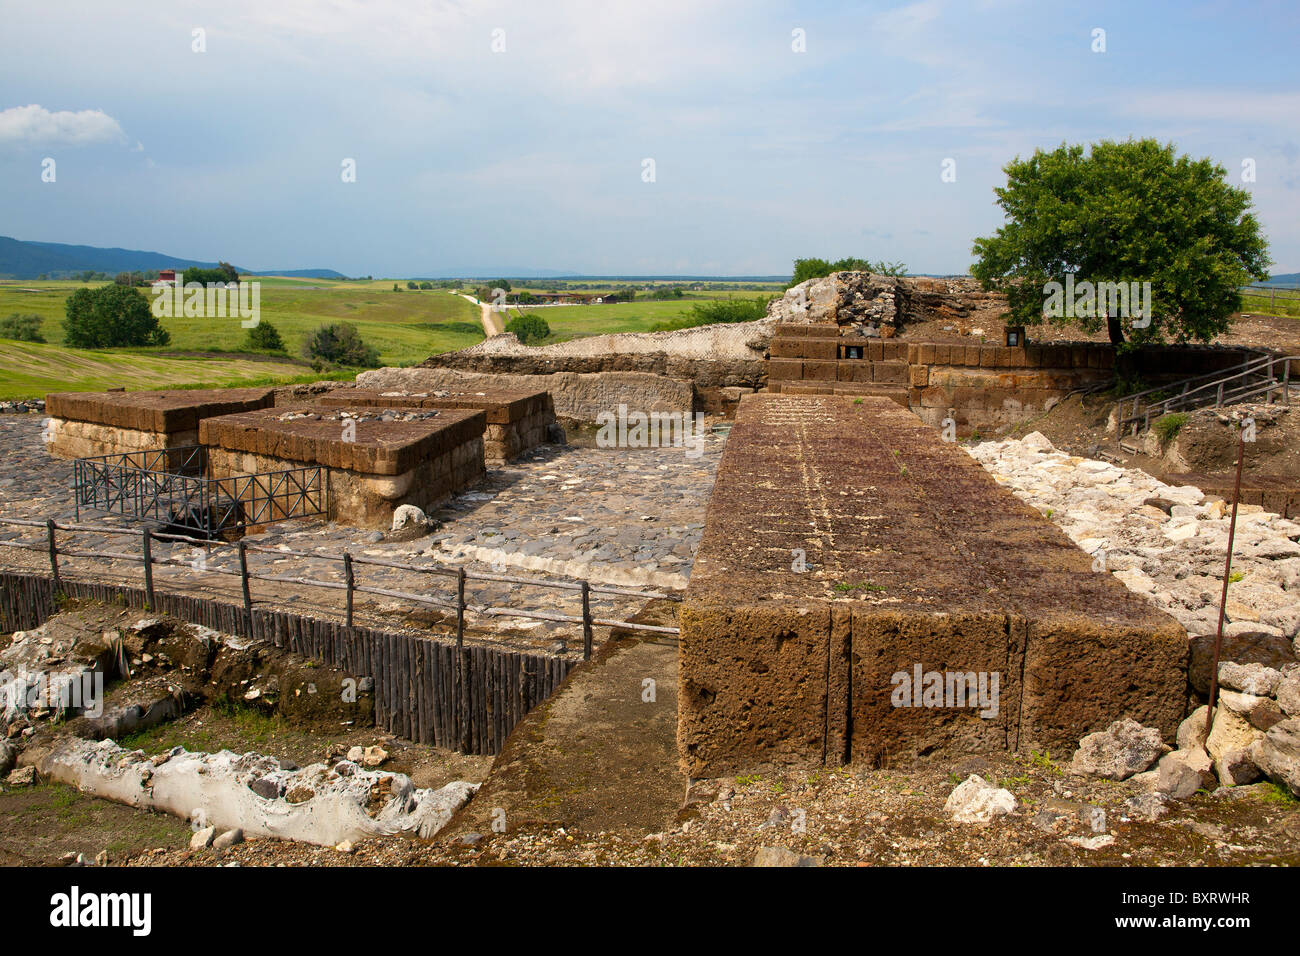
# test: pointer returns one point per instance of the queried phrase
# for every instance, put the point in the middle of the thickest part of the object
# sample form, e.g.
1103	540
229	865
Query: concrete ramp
859	584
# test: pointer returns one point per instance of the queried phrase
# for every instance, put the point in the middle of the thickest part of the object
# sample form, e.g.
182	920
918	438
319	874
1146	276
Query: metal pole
586	621
1223	600
147	538
54	554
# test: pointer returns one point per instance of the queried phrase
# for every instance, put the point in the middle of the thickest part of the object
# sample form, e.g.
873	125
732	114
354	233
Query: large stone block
912	557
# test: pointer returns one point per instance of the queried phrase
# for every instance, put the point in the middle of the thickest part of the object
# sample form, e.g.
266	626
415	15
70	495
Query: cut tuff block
517	420
88	424
914	558
373	466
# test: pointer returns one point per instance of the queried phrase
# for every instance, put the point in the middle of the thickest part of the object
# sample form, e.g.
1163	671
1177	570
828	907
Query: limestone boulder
1121	750
1249	678
1231	731
975	800
1277	754
1183	773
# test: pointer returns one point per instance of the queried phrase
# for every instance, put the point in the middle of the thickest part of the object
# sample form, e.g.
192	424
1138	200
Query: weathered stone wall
384	465
882	305
73	439
983	385
369	500
87	424
914	556
578	397
712	361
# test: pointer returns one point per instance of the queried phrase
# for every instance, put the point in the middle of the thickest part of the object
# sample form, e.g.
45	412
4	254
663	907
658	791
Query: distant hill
20	259
1288	278
298	273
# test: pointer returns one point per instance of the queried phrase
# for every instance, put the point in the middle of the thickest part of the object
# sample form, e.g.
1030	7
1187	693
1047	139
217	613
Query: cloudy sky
506	136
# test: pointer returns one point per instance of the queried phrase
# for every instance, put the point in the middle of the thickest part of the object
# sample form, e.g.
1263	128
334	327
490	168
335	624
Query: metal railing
170	485
453	602
1267	376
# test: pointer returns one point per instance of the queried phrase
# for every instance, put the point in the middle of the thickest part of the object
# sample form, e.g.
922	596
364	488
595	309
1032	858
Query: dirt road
490	317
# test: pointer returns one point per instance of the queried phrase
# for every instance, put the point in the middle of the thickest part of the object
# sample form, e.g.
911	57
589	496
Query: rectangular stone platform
88	424
914	557
517	420
373	466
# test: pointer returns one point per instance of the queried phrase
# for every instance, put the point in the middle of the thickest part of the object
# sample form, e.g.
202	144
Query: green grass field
407	327
575	321
1284	302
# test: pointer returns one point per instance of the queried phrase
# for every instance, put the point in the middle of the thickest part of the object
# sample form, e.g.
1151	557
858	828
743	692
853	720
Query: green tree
528	328
229	273
111	316
265	337
410	284
805	269
1124	213
340	344
23	326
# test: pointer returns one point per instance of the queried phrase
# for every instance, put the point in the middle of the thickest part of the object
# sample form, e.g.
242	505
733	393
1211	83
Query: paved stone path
613	516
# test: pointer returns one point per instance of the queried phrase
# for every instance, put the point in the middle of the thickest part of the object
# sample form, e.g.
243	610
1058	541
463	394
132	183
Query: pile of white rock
1164	542
1168	544
1255	733
258	795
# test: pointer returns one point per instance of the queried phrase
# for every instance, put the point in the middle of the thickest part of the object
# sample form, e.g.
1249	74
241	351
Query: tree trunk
1116	330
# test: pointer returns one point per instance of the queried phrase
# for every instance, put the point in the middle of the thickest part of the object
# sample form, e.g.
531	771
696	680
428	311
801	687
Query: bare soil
1279	332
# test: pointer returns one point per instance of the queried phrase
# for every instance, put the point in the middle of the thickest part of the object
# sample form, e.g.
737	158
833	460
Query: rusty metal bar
1227	572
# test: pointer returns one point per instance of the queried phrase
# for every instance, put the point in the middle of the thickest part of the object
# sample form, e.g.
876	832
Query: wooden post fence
54	554
146	541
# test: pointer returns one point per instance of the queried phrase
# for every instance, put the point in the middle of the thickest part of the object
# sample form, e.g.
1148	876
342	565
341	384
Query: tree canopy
1118	217
111	316
805	269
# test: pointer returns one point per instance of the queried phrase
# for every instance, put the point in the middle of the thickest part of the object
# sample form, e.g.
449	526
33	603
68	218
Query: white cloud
38	126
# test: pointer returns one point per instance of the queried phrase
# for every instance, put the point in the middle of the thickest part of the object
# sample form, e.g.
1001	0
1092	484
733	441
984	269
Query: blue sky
471	161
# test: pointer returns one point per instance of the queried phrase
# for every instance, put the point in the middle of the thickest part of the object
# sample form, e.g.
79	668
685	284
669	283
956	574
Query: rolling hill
20	259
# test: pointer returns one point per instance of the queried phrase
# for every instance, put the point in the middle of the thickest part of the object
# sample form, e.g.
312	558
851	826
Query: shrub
23	326
715	311
1167	427
111	316
426	284
340	344
411	284
805	269
265	337
528	328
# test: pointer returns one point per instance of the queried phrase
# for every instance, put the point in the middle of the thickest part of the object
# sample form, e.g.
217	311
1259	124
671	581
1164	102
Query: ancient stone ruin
845	545
84	424
379	450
